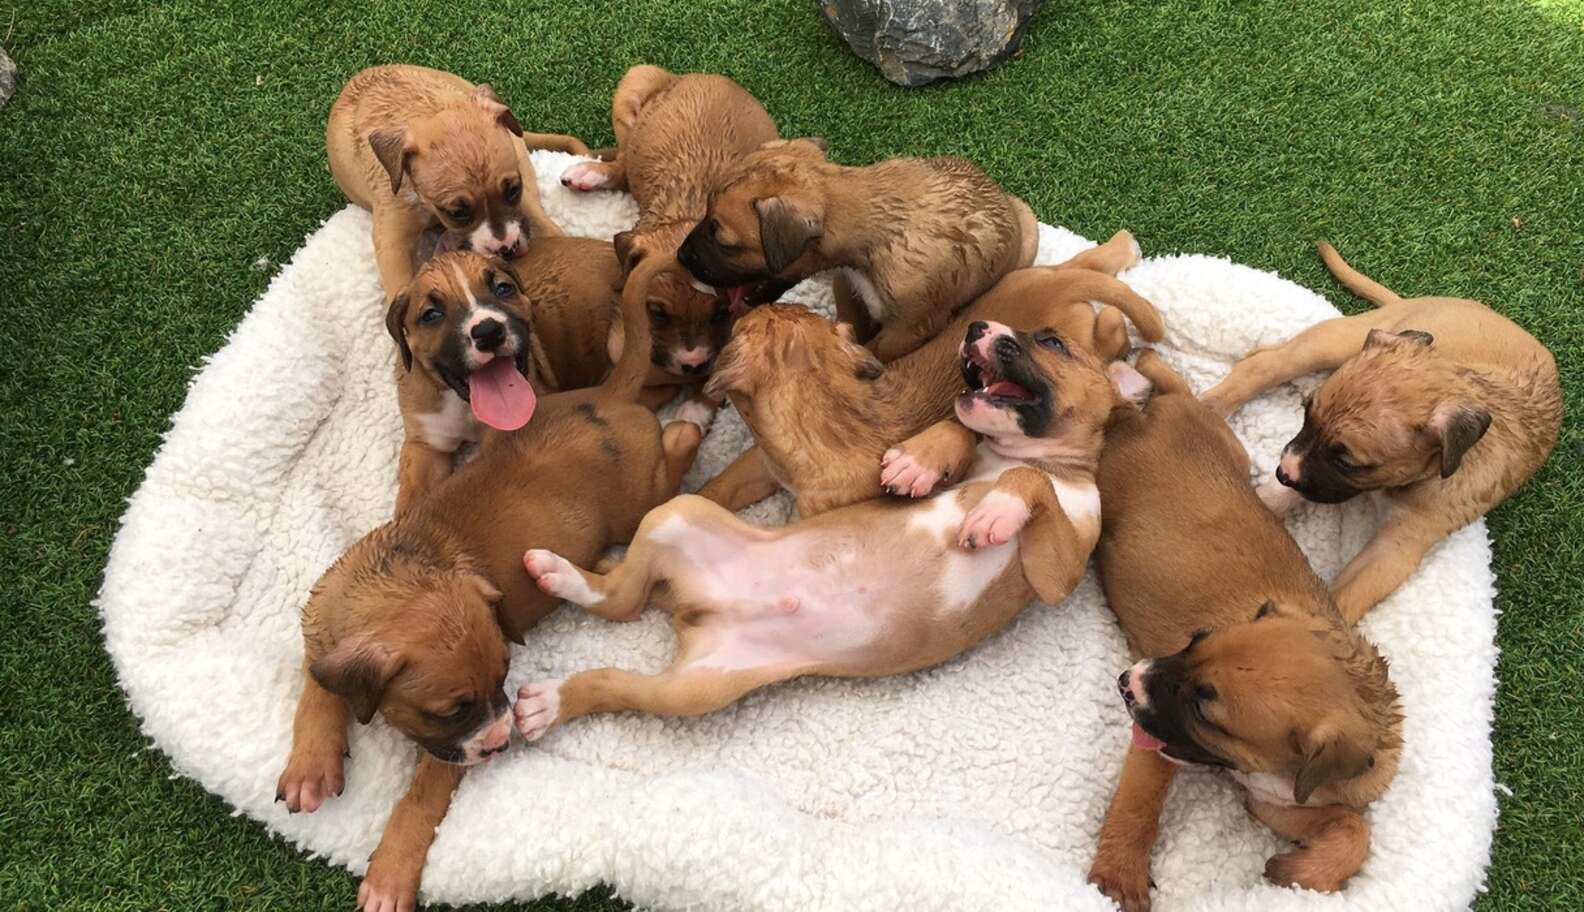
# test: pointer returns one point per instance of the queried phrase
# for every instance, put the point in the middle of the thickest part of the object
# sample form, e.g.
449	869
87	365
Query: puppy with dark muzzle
878	588
1246	665
421	148
834	426
675	137
412	622
1440	407
916	239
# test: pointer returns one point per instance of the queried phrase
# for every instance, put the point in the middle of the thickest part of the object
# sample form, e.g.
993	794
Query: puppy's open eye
512	192
460	710
461	213
430	316
1047	339
503	289
658	318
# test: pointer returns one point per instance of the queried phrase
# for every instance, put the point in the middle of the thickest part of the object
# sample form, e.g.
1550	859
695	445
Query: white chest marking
446	429
1267	787
866	291
1081	502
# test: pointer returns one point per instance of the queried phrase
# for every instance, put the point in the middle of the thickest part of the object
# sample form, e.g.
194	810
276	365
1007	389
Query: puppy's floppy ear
786	228
1327	753
357	670
865	365
818	142
396	325
394	149
1129	383
629	253
484	96
1460	426
497	603
1380	338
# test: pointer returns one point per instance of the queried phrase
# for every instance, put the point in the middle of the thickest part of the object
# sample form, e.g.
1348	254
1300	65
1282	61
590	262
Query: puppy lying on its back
834	426
1441	405
916	238
878	588
1245	663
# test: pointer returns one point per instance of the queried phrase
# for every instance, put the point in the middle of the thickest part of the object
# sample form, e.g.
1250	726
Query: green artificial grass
162	159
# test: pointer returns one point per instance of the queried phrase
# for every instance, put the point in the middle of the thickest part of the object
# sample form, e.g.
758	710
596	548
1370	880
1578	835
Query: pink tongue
1143	740
735	298
1007	388
501	396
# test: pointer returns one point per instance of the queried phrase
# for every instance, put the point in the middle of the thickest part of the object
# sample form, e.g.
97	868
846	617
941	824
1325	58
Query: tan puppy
412	621
419	147
1245	663
916	238
675	138
874	589
1440	405
467	330
826	414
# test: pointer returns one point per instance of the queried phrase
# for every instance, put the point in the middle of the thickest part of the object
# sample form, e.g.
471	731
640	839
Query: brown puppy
916	238
874	589
1441	405
468	332
412	621
419	147
675	138
825	413
1245	663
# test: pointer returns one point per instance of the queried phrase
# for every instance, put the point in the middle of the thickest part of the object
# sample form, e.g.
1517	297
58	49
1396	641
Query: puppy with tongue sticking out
468	360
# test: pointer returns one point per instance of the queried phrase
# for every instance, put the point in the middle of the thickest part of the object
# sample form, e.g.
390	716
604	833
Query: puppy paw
905	476
536	708
695	411
584	176
1303	868
1126	884
313	775
994	520
556	576
1277	497
390	885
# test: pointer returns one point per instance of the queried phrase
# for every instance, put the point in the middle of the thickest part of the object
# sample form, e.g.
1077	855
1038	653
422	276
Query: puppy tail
1355	281
1161	377
632	368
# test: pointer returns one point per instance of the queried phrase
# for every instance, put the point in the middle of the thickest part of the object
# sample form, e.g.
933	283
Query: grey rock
7	78
918	41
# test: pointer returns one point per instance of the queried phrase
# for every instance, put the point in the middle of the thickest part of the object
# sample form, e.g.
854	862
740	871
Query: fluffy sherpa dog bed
976	785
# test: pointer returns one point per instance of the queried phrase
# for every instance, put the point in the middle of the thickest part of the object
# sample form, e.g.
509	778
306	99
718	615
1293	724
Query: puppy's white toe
538	704
995	520
695	412
556	576
584	176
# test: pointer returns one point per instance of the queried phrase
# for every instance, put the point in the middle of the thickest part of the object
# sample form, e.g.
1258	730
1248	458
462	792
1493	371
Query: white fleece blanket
976	785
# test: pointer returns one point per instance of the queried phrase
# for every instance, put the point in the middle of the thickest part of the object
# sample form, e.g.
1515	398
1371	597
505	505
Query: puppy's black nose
488	334
695	369
976	330
1282	478
494	750
1122	686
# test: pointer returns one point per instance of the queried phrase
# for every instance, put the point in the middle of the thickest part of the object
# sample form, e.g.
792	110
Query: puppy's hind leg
680	441
678	691
596	175
1333	842
1119	253
1160	375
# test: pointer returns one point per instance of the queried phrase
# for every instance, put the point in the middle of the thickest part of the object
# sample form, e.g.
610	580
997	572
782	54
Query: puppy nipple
787	605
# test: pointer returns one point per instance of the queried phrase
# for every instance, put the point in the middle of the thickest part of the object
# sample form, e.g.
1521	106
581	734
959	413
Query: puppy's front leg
1121	865
313	771
934	458
1323	346
396	231
1022	504
746	481
1333	842
395	869
420	468
1392	556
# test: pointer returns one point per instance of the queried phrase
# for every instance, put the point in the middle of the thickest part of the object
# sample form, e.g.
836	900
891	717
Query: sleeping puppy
675	138
412	622
468	332
1441	407
419	147
826	415
879	588
916	238
1245	664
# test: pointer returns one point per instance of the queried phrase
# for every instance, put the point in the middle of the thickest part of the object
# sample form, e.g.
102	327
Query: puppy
412	621
916	239
469	353
825	413
1245	663
1441	406
675	138
879	588
418	147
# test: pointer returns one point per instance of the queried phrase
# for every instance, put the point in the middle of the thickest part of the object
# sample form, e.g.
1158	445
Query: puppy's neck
1071	455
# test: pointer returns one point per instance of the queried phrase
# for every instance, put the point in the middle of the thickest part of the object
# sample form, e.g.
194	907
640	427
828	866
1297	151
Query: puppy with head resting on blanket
835	427
878	588
412	622
1245	663
675	138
